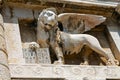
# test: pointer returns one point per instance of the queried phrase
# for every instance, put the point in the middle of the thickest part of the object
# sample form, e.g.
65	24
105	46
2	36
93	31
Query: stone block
13	40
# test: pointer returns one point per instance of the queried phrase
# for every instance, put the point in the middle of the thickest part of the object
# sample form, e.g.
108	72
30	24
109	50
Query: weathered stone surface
13	40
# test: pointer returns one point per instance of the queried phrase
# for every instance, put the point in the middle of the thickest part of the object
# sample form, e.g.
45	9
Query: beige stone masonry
13	40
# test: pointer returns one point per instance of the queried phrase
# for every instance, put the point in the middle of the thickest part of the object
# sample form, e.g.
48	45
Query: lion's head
48	17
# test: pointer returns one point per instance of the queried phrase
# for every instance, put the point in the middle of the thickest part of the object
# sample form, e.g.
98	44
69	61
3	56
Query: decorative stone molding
64	71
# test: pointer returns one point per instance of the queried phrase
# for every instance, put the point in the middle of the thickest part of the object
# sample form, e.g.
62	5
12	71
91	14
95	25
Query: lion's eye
49	14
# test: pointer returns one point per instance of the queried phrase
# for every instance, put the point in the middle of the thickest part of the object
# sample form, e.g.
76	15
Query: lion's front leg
59	55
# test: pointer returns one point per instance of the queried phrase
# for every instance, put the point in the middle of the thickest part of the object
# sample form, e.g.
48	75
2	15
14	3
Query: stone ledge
62	6
63	71
77	2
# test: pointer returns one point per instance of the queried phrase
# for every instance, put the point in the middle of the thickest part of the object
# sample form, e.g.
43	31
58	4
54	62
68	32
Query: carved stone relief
48	35
39	55
64	71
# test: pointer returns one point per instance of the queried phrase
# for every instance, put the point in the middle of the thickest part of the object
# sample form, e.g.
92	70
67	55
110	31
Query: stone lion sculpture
49	35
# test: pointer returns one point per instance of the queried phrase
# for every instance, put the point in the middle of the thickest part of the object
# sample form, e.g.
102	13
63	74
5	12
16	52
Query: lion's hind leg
95	45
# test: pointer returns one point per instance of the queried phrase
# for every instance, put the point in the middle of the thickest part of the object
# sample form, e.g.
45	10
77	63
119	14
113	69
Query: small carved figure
49	35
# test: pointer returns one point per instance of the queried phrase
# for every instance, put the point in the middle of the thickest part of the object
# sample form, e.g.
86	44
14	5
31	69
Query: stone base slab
64	71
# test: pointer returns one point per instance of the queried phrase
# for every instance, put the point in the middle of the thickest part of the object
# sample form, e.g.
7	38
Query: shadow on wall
27	30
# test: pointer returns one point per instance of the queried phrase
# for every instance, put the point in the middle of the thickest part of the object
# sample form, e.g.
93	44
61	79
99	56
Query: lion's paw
116	62
59	62
113	62
85	63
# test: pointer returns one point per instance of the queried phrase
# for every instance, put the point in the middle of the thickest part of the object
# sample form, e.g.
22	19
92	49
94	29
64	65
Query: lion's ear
90	21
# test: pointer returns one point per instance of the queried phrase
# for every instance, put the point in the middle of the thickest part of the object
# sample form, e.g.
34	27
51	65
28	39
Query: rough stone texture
13	40
4	69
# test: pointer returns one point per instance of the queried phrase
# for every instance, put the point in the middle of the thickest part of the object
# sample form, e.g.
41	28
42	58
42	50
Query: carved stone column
4	69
